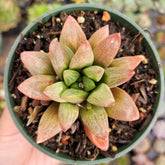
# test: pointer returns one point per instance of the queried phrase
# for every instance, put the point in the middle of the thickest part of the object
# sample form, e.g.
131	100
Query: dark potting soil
74	142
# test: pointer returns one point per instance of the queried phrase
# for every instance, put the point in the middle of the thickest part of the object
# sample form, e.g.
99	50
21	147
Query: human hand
15	149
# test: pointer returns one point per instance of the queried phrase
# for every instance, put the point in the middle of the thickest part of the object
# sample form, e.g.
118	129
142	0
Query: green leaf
33	87
67	115
115	76
101	96
101	143
49	125
106	50
72	35
70	76
55	90
130	62
83	57
88	84
75	85
98	36
94	72
60	56
96	120
74	95
37	63
124	108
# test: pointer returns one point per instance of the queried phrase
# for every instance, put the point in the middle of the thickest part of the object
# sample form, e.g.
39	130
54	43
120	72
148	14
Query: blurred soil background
15	15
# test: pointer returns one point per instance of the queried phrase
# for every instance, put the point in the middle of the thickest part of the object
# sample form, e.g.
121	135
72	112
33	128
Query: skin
15	149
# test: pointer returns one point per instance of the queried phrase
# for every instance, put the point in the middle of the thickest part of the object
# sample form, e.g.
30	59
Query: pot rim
10	103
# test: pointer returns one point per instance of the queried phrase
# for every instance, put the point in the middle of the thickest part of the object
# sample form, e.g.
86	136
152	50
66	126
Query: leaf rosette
81	77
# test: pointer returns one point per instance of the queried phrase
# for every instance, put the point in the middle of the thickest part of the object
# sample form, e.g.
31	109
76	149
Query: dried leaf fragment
33	115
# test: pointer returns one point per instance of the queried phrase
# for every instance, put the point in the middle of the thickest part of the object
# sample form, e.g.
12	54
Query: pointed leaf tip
55	90
74	95
49	124
83	57
72	35
37	63
130	62
98	36
124	108
67	115
34	86
101	96
88	84
60	56
70	76
96	119
94	72
106	50
115	76
101	143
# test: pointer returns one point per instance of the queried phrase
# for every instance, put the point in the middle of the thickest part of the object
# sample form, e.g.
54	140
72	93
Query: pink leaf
60	56
101	143
49	125
106	50
33	87
124	108
72	35
130	62
83	57
67	115
37	63
115	76
96	119
98	36
101	96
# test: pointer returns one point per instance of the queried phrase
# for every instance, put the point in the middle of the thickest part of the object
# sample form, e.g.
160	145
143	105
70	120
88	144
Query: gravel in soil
74	142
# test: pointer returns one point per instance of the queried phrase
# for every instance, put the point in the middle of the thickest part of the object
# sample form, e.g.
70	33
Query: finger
7	126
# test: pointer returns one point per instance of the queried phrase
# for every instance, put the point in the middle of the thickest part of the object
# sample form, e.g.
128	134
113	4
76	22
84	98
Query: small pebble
38	36
142	110
81	19
17	108
153	81
58	20
13	95
96	12
82	13
106	16
113	126
114	148
119	131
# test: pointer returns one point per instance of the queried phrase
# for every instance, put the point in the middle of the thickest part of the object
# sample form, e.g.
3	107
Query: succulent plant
39	8
9	14
81	77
